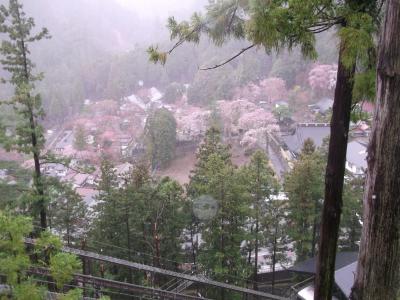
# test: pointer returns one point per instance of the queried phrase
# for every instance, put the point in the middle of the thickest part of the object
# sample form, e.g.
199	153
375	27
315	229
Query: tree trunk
156	241
257	229
334	180
274	258
222	251
255	276
314	233
192	242
128	241
379	258
250	250
85	268
68	236
34	138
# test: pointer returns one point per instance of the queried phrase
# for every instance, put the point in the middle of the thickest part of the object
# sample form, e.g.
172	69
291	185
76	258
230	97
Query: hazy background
98	51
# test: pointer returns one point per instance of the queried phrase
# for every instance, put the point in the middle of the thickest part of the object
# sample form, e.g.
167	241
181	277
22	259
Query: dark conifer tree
17	30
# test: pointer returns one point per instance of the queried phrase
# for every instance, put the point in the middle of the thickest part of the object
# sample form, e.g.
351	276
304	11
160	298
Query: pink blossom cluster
323	77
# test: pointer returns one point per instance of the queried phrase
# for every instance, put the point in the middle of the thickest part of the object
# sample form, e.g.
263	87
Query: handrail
152	269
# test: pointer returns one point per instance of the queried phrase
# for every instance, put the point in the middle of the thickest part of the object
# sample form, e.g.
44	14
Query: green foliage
160	137
141	214
282	112
220	254
308	147
276	233
16	29
260	183
107	218
364	86
156	56
46	246
74	294
304	186
68	213
357	37
13	259
63	266
27	290
10	194
211	145
15	262
350	223
215	176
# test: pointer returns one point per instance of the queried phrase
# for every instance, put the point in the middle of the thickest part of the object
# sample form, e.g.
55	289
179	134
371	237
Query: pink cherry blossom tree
322	78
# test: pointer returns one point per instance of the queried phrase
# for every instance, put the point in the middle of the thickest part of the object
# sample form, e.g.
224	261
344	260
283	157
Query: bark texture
379	258
335	168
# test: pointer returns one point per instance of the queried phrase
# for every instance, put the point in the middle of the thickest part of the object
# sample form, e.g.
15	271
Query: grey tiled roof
316	133
342	259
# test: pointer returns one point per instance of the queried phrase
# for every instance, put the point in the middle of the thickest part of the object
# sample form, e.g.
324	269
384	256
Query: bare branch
228	60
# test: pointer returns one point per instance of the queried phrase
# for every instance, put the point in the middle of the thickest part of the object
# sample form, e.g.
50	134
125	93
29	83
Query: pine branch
183	39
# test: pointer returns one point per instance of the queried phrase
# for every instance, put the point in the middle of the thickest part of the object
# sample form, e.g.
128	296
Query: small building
315	131
345	266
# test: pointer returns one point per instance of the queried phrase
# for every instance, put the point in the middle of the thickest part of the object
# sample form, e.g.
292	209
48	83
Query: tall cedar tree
215	176
220	253
211	145
138	218
160	137
17	27
281	24
304	187
107	225
351	221
276	236
261	185
68	213
378	271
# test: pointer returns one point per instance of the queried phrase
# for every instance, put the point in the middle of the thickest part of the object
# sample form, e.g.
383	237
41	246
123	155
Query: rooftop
315	131
344	278
342	259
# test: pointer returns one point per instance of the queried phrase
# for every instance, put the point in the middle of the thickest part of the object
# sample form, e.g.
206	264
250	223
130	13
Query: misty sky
164	8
